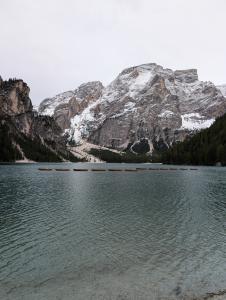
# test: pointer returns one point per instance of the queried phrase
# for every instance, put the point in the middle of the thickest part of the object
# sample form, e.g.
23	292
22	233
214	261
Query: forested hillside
207	147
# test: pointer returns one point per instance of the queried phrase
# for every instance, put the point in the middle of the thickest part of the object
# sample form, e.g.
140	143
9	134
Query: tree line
208	147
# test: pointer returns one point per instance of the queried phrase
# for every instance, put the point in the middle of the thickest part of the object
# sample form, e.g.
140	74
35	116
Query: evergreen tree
207	147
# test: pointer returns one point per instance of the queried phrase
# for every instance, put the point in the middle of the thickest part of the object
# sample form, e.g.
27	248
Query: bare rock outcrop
145	107
23	133
65	106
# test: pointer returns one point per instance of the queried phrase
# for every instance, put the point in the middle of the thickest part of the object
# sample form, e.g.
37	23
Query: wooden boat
141	169
131	170
63	170
80	170
115	170
98	170
43	169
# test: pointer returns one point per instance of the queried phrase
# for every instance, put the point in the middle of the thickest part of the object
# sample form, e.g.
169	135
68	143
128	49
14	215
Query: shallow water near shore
111	235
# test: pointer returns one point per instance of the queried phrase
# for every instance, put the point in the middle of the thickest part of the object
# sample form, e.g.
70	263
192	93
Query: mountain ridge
25	135
145	103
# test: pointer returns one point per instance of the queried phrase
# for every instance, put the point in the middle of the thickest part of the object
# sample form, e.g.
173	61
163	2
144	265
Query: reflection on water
146	235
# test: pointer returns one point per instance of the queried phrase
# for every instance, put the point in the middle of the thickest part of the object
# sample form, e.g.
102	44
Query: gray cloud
55	45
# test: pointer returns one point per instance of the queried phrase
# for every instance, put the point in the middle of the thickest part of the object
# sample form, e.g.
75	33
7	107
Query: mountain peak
145	102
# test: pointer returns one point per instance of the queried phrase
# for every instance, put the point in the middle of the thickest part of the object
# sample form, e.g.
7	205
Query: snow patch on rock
132	83
48	105
136	85
80	125
194	121
129	107
166	114
145	101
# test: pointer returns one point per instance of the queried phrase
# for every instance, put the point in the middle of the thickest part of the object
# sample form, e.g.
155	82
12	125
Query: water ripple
108	236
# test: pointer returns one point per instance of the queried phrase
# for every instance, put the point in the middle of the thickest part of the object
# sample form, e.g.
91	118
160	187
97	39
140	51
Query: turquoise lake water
111	235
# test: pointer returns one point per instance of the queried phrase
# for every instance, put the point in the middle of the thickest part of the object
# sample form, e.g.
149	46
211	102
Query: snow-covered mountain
66	105
47	106
145	105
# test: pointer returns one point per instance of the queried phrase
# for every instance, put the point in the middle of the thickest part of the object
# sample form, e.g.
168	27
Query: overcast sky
55	45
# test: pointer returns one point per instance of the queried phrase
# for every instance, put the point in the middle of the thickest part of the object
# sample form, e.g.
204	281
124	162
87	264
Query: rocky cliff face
69	104
24	134
146	107
14	98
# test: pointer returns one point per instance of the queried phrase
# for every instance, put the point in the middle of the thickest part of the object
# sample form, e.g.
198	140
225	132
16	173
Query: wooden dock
118	170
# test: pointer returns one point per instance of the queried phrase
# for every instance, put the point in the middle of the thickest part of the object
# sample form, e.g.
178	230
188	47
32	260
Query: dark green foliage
70	157
7	84
33	148
25	134
207	147
113	157
141	147
8	152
